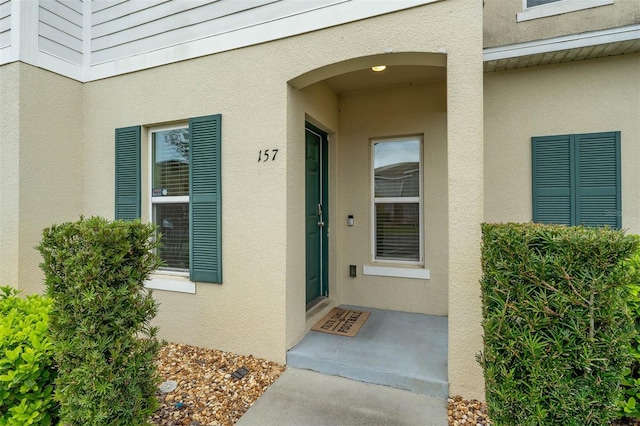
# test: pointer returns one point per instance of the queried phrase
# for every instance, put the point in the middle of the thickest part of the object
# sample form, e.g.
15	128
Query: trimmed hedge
27	369
630	406
104	344
556	327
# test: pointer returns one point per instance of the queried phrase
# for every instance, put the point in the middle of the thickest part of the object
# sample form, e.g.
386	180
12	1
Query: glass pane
173	223
170	162
397	168
398	231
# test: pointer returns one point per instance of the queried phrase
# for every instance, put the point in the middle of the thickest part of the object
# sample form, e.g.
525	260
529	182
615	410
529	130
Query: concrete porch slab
398	349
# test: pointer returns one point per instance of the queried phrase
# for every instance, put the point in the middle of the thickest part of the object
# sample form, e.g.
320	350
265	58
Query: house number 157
265	155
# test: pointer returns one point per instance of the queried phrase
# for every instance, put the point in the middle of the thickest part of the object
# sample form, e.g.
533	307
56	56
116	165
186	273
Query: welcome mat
342	322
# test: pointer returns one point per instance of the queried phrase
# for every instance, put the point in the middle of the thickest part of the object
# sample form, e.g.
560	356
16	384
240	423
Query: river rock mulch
207	392
464	412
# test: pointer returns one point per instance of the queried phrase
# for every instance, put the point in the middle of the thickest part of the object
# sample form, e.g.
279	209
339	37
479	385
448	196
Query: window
170	194
576	179
184	192
397	189
534	9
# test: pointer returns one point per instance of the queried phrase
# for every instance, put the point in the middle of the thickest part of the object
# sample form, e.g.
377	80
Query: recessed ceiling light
379	68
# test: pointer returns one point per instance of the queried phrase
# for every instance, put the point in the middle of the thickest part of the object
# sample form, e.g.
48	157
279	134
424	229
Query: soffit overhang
573	47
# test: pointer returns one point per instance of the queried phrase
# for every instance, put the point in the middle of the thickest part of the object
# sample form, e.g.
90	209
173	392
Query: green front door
316	217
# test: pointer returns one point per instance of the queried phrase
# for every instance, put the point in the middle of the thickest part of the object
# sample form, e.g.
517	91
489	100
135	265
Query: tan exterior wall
246	314
452	27
9	173
317	104
501	27
409	110
65	166
580	97
41	166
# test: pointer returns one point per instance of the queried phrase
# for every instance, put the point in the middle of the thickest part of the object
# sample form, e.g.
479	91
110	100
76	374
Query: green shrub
100	321
630	405
26	360
556	327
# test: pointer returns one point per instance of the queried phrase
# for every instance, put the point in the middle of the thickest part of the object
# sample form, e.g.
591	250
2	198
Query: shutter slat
128	192
204	174
551	157
598	179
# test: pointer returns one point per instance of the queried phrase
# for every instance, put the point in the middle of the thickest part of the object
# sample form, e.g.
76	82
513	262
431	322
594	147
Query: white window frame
162	282
418	199
558	7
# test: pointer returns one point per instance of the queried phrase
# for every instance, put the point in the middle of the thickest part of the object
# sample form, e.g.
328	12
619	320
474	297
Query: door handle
320	223
320	209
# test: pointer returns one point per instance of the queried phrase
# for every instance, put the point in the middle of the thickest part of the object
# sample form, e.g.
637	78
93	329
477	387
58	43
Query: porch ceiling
394	75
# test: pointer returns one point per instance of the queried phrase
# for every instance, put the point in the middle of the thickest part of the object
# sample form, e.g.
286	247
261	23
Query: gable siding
129	29
93	39
5	24
60	29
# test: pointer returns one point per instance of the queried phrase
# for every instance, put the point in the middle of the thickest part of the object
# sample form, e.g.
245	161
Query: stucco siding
410	110
41	165
317	104
581	97
9	173
259	308
501	26
246	313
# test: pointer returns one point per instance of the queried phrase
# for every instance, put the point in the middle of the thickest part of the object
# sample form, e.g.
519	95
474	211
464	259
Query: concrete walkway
303	397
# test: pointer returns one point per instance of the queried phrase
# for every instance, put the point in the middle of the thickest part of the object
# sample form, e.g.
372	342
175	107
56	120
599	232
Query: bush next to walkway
630	405
556	326
26	360
104	345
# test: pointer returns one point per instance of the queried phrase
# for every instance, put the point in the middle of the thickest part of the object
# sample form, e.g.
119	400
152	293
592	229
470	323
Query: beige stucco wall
259	308
317	104
40	168
581	97
501	27
246	313
409	110
452	27
9	169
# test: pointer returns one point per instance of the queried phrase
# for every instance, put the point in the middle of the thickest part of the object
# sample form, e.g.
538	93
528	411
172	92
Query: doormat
342	322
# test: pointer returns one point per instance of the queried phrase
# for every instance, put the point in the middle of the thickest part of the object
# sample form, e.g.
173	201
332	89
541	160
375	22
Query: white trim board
557	8
572	41
389	271
171	283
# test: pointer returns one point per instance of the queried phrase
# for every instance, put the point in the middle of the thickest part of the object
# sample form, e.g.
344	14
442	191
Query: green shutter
598	179
128	173
552	179
205	264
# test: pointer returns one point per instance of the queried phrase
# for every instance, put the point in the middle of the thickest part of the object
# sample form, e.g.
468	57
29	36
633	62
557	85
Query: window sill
558	8
390	271
171	283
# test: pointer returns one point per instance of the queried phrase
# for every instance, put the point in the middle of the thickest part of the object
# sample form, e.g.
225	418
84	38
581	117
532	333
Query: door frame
324	199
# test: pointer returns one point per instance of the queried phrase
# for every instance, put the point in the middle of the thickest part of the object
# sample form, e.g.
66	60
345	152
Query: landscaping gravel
206	391
467	412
